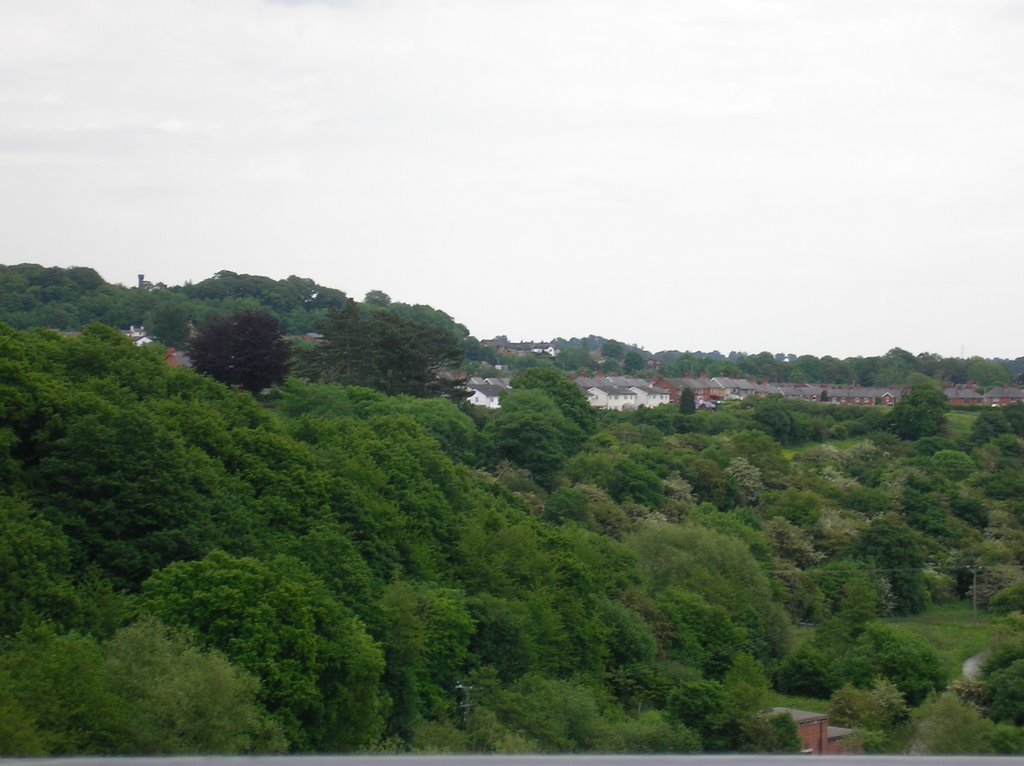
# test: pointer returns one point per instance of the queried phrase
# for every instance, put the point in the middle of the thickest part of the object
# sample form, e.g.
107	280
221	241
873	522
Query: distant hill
34	296
67	299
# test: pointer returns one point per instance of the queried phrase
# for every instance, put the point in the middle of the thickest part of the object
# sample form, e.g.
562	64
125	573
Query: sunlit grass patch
960	423
812	704
952	630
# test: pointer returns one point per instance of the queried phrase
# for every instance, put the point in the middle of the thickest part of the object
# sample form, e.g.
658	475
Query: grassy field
800	703
841	444
960	423
952	630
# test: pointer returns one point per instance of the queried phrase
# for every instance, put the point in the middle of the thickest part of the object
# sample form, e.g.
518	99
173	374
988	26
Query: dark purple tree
245	350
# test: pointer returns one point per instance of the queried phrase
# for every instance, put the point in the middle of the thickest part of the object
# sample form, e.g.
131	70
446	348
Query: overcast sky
800	176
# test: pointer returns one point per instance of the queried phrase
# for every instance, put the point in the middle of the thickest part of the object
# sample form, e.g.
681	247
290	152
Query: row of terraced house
618	392
724	389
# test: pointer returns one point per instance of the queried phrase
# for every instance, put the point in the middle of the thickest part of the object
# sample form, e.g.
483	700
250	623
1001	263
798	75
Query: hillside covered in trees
324	567
34	296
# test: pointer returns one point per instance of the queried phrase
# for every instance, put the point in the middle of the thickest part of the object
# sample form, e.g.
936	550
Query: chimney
142	279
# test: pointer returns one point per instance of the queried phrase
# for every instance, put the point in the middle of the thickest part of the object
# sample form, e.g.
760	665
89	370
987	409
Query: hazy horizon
798	176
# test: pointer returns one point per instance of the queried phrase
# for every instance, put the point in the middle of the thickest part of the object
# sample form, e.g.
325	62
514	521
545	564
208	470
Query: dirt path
972	667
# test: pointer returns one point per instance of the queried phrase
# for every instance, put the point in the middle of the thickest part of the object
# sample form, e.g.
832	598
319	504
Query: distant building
817	737
137	335
487	392
522	348
1003	395
175	358
960	395
618	392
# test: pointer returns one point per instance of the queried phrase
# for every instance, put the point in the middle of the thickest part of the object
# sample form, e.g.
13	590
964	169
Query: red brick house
817	737
1004	395
889	398
864	396
175	358
962	395
703	387
808	392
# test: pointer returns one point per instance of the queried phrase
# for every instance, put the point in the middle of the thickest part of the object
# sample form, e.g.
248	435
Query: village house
889	398
618	392
522	348
486	395
175	358
674	386
650	396
702	387
1003	395
817	737
607	396
714	389
961	395
807	392
860	395
740	388
138	336
486	392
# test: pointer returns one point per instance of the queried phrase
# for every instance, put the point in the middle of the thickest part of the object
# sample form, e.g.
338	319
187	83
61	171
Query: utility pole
465	704
974	593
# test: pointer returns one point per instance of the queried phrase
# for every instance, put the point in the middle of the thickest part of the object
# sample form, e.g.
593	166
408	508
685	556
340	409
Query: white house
609	397
619	392
486	392
650	396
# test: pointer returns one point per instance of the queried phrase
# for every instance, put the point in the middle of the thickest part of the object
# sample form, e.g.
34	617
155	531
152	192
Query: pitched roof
1005	392
961	392
801	716
741	384
612	390
487	389
651	390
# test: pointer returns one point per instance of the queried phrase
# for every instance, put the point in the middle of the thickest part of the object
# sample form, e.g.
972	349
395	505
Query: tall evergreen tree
379	349
687	404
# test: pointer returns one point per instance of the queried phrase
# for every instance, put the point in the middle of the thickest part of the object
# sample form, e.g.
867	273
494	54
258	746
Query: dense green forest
34	296
189	568
353	559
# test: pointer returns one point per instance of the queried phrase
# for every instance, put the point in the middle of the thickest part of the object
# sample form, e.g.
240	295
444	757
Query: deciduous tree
245	350
566	395
319	669
919	413
184	699
906	660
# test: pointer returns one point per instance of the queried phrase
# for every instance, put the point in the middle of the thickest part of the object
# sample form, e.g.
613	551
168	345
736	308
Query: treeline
68	299
33	296
897	367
